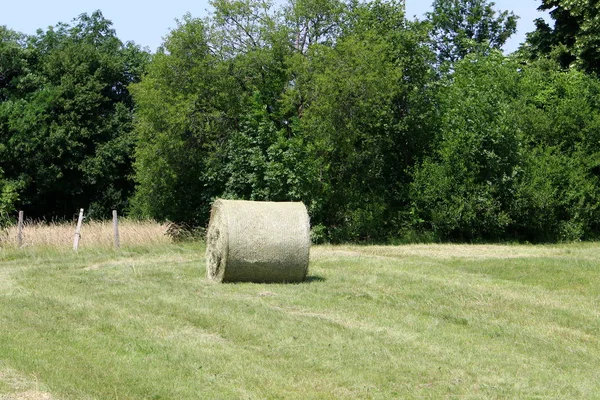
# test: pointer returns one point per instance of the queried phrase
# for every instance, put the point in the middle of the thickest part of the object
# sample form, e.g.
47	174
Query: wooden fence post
20	230
116	229
78	230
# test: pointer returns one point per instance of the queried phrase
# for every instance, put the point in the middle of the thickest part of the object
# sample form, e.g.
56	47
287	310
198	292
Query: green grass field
433	322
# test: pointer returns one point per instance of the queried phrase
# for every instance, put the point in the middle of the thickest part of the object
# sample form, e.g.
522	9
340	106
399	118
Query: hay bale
255	241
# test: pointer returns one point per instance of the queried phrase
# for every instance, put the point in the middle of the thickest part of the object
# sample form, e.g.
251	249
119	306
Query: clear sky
147	22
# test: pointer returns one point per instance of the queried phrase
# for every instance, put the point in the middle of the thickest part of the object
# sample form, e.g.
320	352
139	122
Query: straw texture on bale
255	241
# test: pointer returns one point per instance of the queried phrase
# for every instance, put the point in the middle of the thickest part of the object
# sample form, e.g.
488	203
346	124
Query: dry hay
27	395
252	241
93	234
21	387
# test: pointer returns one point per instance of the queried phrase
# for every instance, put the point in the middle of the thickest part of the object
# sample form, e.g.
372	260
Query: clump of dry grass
21	387
94	234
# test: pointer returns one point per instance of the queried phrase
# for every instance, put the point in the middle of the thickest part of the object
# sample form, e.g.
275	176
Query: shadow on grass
308	279
314	278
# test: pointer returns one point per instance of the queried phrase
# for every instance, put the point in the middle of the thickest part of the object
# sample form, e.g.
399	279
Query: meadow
370	322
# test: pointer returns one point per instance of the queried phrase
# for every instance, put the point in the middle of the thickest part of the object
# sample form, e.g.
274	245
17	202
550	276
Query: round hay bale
257	241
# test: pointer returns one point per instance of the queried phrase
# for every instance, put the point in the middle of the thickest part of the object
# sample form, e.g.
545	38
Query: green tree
463	190
312	22
210	119
361	98
462	27
14	62
323	102
263	154
66	118
573	40
186	109
8	198
558	195
517	154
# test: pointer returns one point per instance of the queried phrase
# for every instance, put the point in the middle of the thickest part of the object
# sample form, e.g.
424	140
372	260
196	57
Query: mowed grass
407	322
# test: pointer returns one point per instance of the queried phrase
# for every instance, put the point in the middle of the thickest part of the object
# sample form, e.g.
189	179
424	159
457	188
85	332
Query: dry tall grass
94	234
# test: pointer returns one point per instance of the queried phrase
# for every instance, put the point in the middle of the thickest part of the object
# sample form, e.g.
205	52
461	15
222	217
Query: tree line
385	127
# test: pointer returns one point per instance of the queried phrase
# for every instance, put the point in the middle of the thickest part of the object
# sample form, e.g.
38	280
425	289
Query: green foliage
517	154
382	126
8	198
359	108
463	190
462	27
66	118
318	121
333	103
574	39
264	163
558	197
13	63
186	106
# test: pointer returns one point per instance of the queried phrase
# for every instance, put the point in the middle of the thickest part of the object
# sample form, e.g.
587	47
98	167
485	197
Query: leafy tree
517	154
67	115
558	195
14	61
312	22
8	198
575	37
322	102
462	27
463	189
358	112
210	119
186	109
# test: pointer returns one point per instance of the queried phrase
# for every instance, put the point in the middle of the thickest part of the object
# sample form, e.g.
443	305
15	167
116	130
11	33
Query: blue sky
146	23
